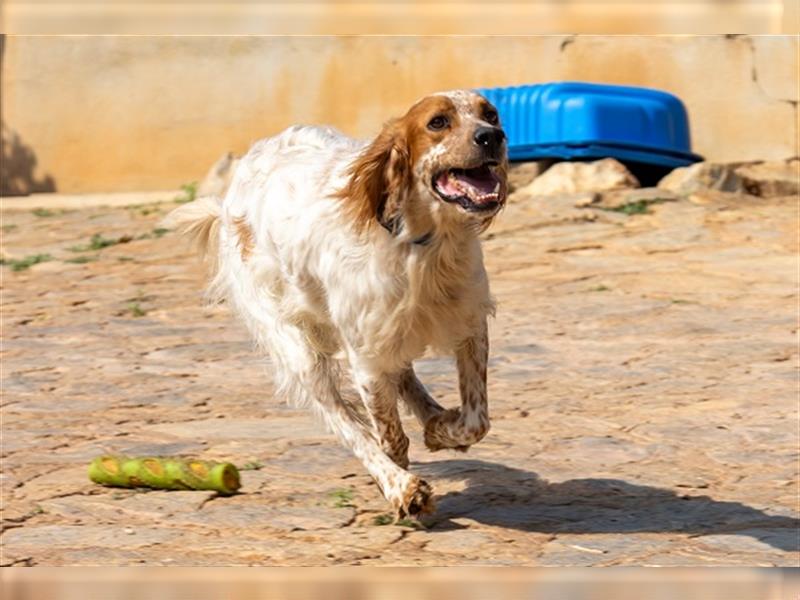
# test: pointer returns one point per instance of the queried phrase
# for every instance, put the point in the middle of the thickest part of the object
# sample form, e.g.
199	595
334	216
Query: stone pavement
642	384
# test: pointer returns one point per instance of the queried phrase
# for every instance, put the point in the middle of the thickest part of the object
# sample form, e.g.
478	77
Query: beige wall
139	113
433	17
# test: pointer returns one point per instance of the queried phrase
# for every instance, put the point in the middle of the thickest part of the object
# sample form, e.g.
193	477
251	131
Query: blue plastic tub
575	120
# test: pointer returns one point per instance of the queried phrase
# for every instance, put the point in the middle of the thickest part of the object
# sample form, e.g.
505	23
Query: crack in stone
754	77
568	41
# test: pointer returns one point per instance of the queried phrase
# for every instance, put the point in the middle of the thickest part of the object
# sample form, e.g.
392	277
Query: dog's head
441	165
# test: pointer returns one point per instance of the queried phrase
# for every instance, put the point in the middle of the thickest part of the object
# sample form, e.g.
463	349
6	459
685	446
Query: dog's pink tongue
479	185
448	185
482	181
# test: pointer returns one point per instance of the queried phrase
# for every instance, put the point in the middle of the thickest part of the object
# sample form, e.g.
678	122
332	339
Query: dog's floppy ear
378	178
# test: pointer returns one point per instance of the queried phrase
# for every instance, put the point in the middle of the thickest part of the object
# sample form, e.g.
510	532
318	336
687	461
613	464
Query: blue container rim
691	156
633	89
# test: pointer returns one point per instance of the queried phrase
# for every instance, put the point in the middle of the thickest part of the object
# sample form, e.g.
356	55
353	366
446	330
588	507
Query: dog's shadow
516	499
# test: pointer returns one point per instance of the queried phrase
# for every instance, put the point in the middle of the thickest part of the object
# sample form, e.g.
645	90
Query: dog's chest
440	306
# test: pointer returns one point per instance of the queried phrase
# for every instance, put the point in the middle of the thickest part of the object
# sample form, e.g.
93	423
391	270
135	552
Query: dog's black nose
490	139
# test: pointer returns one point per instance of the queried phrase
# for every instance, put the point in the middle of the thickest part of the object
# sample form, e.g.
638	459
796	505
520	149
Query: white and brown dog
334	250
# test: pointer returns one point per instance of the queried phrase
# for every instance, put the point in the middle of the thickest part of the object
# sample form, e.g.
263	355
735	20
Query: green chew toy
165	473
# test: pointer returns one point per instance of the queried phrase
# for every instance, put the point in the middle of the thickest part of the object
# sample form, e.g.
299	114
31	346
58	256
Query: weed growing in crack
98	242
384	519
252	465
638	207
136	309
342	498
79	260
22	264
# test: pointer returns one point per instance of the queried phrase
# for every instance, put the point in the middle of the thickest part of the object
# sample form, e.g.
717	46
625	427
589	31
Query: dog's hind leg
379	395
459	428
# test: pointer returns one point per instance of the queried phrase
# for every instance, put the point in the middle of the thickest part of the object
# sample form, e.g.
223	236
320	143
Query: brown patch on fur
246	239
415	123
380	176
376	178
398	451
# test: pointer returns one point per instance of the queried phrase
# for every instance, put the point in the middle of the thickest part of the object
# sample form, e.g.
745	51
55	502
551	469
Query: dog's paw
438	431
417	500
448	430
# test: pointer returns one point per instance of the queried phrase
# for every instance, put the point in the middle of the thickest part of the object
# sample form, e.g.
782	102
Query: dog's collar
394	226
423	240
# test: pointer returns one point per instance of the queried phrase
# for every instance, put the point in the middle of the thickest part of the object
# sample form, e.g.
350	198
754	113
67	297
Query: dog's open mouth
477	189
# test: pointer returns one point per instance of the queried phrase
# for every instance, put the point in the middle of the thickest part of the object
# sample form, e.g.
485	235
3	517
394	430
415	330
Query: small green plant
155	233
414	524
124	258
252	465
134	305
79	260
149	210
637	207
136	309
679	301
384	519
342	498
21	264
189	193
599	288
9	227
98	242
36	510
43	212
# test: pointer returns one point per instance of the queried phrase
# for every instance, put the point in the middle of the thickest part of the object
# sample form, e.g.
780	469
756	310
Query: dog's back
275	197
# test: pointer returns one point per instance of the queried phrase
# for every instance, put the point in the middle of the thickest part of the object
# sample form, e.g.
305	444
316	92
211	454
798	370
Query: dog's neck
395	228
417	226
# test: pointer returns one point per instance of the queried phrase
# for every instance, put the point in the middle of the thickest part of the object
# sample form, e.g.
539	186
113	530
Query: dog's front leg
459	428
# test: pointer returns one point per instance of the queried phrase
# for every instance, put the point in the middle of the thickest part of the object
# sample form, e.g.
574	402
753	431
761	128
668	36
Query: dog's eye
438	123
490	116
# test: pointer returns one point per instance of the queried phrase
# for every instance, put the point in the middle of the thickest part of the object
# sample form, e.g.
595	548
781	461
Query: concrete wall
404	17
140	113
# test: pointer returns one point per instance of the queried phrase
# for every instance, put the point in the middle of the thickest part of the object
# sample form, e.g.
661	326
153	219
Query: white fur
309	268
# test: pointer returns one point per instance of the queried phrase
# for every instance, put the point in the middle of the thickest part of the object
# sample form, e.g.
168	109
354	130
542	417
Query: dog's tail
199	221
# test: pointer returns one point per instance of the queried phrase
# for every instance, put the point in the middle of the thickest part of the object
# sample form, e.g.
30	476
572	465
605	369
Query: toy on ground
165	473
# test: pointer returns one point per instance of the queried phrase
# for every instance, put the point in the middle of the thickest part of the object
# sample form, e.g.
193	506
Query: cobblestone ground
642	383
